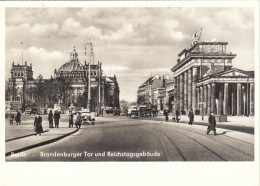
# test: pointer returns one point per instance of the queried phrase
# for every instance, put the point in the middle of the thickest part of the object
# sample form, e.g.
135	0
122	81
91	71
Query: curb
20	137
239	128
41	144
244	129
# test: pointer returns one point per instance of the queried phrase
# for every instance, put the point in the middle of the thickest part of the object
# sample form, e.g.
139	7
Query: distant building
205	80
155	92
104	90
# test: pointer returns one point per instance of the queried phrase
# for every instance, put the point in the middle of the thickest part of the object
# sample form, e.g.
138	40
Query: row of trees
44	93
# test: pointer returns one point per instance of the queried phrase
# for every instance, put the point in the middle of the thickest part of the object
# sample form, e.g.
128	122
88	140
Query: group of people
56	117
78	121
17	118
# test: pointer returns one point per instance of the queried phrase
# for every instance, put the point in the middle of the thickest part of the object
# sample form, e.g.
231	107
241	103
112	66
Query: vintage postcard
160	82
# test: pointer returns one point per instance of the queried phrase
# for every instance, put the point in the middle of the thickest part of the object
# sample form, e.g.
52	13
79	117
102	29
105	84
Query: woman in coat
191	117
38	124
71	120
18	118
212	124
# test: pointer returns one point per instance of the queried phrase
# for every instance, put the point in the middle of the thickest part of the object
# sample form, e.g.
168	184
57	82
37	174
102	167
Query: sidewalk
32	141
238	123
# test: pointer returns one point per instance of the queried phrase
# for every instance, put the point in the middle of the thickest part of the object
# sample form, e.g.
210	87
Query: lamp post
247	88
202	103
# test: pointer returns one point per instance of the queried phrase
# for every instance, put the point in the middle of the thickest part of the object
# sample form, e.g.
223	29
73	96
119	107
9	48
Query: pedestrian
18	118
50	118
102	112
71	120
191	117
166	115
78	121
38	124
212	124
154	112
56	119
177	115
11	119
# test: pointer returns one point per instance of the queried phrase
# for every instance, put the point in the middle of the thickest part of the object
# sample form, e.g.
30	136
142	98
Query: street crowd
78	122
51	117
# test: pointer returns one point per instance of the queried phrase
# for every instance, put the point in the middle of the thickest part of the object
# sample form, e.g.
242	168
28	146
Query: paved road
123	139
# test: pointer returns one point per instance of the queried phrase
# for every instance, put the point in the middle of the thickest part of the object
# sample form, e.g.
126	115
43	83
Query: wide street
118	138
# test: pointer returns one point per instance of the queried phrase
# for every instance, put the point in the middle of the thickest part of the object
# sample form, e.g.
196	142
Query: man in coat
71	120
18	118
177	115
191	117
212	124
38	124
166	115
56	119
50	118
78	120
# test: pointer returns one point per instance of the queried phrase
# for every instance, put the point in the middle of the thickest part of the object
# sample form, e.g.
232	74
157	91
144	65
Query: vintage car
134	114
88	118
146	113
30	111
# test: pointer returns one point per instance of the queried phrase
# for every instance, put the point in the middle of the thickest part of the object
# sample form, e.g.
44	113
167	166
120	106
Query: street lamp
247	96
202	103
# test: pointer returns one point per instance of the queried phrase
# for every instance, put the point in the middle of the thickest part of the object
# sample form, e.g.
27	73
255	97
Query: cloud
70	27
132	42
43	30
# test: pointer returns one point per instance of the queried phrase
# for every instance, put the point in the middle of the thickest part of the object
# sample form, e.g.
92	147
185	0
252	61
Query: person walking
166	115
56	119
11	119
177	115
191	117
212	124
78	121
50	118
18	118
38	124
71	120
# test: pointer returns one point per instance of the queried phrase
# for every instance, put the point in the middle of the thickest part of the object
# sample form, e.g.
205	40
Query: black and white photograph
131	83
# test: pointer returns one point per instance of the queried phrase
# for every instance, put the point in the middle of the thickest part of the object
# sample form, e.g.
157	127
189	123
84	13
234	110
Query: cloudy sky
132	43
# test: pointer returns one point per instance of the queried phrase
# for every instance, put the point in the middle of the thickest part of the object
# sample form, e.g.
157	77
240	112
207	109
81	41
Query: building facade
104	90
156	92
205	81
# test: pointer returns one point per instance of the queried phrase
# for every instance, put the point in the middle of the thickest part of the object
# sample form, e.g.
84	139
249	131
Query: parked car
88	118
134	114
30	111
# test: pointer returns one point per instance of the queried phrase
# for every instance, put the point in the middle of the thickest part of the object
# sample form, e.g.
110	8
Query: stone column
194	95
239	99
212	104
189	89
198	97
234	99
201	99
175	92
186	91
252	99
181	92
225	105
209	99
205	100
220	102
